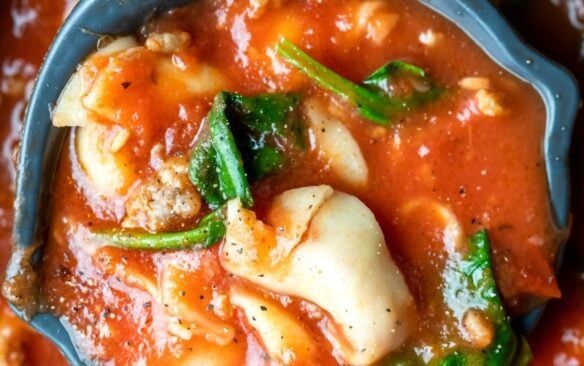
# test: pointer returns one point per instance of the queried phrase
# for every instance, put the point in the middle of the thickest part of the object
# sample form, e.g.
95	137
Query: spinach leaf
232	177
216	167
371	99
469	285
203	171
264	113
371	105
209	231
266	161
267	130
384	79
243	134
454	359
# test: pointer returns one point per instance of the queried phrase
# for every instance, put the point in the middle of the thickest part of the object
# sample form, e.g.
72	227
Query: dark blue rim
556	86
74	42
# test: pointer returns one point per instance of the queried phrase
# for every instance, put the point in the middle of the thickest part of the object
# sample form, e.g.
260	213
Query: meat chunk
375	21
164	201
490	104
430	38
474	83
168	42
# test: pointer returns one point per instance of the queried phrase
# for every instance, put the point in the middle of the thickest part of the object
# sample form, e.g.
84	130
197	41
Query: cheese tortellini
327	248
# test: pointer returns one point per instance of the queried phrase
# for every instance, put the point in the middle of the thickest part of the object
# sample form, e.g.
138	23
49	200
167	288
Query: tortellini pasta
325	247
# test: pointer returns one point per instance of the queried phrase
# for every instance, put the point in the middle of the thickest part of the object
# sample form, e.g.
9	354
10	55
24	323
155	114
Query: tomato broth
473	156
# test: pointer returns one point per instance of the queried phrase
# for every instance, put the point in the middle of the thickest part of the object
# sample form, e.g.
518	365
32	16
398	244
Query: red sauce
558	339
444	152
26	29
556	29
458	181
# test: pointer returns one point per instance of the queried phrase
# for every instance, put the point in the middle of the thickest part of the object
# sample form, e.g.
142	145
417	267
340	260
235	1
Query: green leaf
470	285
203	172
252	134
232	177
384	79
265	113
373	103
216	167
267	130
242	134
216	231
209	231
454	359
266	161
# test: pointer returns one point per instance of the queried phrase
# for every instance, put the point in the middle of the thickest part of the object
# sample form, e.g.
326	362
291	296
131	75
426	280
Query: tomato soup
298	182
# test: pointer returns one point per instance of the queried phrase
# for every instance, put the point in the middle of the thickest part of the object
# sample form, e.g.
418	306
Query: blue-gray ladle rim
41	143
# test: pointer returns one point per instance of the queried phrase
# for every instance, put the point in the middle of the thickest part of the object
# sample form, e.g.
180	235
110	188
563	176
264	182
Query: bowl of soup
303	183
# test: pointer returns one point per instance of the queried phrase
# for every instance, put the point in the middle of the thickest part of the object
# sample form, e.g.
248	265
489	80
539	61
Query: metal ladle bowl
41	143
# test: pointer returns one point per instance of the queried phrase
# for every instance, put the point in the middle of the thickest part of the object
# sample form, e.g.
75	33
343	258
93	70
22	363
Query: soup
315	183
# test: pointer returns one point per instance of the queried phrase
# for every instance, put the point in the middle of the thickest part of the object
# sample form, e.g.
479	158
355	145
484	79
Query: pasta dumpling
339	262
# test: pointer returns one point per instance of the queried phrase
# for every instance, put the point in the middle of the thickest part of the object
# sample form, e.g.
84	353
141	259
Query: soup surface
469	159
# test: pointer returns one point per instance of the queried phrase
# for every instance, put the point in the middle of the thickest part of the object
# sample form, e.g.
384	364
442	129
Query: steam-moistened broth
301	183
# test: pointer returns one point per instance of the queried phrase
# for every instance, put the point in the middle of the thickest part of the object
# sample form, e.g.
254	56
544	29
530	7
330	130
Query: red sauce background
27	27
558	32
